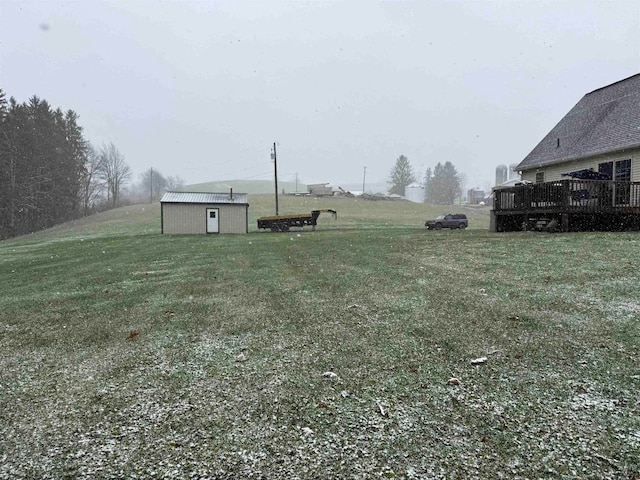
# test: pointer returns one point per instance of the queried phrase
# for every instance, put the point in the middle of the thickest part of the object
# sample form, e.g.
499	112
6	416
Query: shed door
212	220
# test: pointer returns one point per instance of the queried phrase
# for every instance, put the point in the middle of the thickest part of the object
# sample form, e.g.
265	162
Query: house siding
189	218
554	172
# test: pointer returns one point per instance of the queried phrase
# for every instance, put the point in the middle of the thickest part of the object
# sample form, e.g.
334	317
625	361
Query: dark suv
450	220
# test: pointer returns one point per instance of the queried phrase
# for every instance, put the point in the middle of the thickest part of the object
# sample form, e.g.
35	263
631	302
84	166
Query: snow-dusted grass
128	354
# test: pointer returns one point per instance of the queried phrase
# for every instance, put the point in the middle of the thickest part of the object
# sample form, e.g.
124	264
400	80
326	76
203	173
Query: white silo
414	193
501	174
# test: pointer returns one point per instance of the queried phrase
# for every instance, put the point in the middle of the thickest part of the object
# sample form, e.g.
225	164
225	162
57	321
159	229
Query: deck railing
568	196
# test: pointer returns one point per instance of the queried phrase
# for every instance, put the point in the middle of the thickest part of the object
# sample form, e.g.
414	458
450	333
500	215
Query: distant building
414	192
193	212
475	196
320	190
502	174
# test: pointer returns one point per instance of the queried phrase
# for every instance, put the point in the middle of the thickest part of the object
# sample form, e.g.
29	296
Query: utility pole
275	172
151	186
364	175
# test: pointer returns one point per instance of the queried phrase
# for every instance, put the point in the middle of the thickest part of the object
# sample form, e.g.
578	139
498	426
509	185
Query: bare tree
92	184
113	171
152	185
174	183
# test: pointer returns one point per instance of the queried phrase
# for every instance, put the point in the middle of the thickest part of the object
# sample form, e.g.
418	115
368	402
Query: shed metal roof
603	121
204	197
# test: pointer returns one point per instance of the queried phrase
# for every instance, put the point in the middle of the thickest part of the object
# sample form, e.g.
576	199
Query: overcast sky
202	89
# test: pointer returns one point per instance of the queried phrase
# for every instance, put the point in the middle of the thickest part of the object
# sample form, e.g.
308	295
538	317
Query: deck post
493	225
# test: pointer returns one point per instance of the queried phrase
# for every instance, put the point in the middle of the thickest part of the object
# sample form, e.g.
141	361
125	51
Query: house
601	133
585	172
202	212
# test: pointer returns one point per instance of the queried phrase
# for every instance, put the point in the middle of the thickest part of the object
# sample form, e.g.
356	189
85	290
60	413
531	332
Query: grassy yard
341	353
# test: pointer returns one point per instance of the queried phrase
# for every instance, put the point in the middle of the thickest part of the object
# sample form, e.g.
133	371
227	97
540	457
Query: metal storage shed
200	212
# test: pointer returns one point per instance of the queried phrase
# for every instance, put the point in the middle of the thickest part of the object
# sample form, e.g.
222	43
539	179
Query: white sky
202	89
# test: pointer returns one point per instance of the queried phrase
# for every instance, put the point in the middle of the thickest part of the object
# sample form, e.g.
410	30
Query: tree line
442	185
49	173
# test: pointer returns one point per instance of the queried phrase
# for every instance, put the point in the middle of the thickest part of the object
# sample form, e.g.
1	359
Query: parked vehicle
450	220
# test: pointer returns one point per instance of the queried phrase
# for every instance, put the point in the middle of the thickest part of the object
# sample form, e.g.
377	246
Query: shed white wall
185	218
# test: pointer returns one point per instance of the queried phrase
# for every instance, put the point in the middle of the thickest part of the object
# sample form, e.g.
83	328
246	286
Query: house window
606	169
539	177
619	171
623	170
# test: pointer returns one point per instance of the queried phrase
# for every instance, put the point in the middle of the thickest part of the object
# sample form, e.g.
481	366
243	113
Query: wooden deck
574	205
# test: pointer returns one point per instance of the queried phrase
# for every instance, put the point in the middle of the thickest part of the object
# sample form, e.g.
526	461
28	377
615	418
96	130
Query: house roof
204	197
603	121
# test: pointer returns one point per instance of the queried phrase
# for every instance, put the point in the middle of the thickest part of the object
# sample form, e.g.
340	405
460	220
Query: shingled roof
603	121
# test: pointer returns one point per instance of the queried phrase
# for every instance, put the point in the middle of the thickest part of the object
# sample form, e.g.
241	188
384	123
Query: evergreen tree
401	175
7	170
446	184
70	161
428	185
41	164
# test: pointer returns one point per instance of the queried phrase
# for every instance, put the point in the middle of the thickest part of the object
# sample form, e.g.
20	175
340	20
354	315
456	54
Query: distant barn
320	190
193	212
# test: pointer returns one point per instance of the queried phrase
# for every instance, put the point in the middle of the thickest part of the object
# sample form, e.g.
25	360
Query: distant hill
245	186
266	186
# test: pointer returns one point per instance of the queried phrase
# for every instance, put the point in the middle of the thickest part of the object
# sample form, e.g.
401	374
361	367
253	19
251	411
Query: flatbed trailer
282	223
